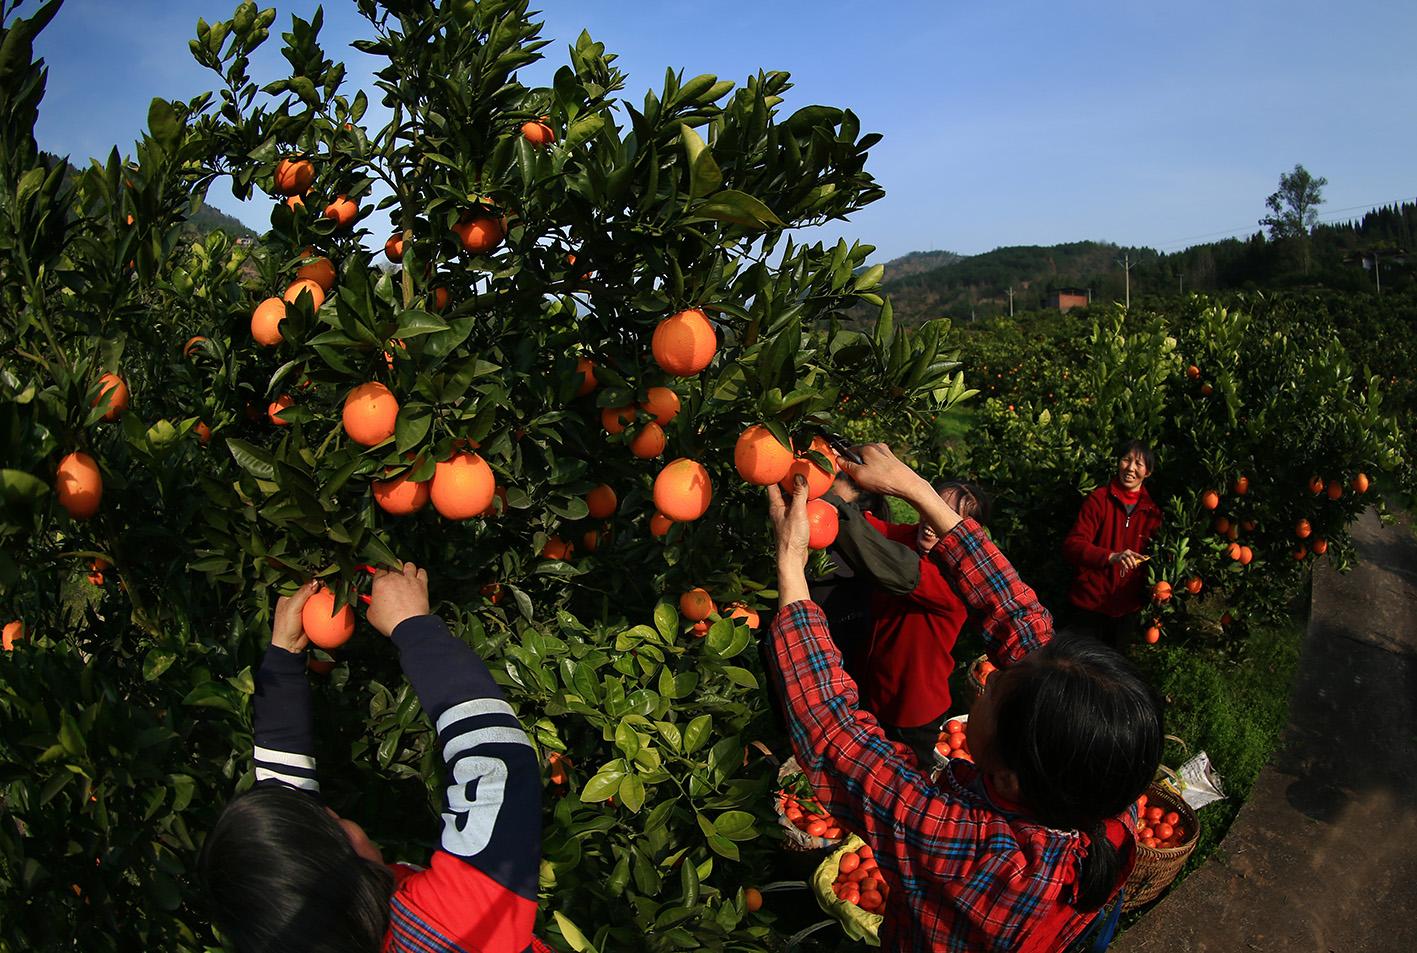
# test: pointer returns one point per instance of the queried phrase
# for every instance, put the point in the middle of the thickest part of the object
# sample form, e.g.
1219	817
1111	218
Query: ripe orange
752	899
343	211
684	343
538	133
556	548
1233	533
394	247
1207	390
823	520
305	285
818	480
321	271
440	299
1302	529
294	176
1316	484
1193	585
14	631
203	432
191	345
760	457
1246	555
1319	546
683	490
1193	372
590	541
274	408
463	486
659	525
1335	490
401	496
585	367
616	419
1210	499
479	232
1226	619
295	202
649	442
370	414
700	629
1222	525
696	604
79	485
601	501
326	628
117	391
1161	592
1152	635
1300	553
1360	483
1242	485
557	764
738	610
1249	526
663	403
493	593
265	322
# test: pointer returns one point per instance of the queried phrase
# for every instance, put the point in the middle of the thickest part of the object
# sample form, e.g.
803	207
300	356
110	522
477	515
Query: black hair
978	505
280	874
1082	730
1140	449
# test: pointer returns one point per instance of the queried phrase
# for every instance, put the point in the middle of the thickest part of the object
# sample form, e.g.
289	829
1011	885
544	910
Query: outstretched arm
482	886
285	732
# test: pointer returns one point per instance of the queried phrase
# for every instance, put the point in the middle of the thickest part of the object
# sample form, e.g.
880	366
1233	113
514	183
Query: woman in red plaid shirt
1024	848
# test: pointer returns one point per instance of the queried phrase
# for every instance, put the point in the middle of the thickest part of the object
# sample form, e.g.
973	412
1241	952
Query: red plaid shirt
965	872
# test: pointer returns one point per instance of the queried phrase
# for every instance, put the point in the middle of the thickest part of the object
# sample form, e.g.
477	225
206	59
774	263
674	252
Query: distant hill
925	285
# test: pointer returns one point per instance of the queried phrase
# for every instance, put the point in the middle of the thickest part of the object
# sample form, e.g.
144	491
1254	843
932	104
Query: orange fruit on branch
462	487
342	211
1316	484
401	496
1319	546
738	610
1246	555
585	368
1241	486
321	271
78	485
393	248
117	391
662	403
1193	372
13	632
274	408
191	345
659	525
1161	592
696	605
1194	584
824	522
683	490
1152	635
556	548
294	176
752	899
819	481
479	232
760	457
649	442
325	627
538	133
305	286
1302	529
265	322
370	414
616	419
1210	499
601	501
684	343
1360	483
1335	490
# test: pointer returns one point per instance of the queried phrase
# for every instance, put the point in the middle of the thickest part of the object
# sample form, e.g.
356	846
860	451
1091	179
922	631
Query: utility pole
1011	301
1126	262
1181	284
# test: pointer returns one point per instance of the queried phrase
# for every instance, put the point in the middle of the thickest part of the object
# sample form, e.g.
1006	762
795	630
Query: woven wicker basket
1156	867
797	839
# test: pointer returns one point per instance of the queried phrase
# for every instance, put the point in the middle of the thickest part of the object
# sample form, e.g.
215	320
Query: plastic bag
1200	783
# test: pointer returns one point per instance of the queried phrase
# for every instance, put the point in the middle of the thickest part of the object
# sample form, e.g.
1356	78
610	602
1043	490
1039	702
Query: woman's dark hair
1082	730
977	504
280	874
1141	450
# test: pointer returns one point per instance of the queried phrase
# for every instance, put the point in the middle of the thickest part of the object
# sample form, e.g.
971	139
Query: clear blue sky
1005	123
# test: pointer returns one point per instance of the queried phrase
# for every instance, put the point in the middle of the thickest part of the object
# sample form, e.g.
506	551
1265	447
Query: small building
1066	298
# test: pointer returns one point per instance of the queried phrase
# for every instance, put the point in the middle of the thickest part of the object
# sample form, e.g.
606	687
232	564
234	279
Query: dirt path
1323	857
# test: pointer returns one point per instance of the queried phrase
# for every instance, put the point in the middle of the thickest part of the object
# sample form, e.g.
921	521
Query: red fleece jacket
1104	527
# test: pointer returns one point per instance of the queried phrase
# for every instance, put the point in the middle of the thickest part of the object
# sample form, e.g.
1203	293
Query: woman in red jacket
1107	547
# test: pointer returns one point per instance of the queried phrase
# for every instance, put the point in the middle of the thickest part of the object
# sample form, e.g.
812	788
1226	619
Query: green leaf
17	486
413	322
156	662
666	620
632	794
627	740
165	126
71	736
736	208
705	177
411	425
252	459
697	733
572	933
604	783
740	676
583	129
736	825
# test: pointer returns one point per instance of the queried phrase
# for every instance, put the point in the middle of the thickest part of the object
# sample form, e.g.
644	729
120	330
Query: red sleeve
1079	547
1015	622
459	905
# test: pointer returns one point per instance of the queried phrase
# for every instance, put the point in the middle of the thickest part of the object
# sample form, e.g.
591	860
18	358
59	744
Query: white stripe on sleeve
287	758
304	784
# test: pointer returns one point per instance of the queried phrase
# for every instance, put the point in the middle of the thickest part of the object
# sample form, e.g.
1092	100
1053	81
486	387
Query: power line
1247	228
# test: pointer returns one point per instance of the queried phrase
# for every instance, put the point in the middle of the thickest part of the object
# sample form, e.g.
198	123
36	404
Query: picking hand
286	631
1128	560
789	520
397	596
880	471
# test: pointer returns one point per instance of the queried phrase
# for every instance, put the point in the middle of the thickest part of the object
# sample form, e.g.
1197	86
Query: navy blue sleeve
285	726
492	804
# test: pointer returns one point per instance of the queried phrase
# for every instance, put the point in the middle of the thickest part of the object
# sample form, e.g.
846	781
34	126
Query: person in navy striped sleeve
1026	848
282	872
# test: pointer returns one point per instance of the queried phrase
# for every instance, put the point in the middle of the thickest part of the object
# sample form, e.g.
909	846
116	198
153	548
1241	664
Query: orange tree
543	238
1268	447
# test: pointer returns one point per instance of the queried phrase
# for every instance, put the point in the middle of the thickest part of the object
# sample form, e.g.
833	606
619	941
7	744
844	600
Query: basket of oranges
952	743
1165	836
808	825
849	887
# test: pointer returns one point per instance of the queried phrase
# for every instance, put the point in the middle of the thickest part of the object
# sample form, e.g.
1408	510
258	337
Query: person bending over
282	872
1026	848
